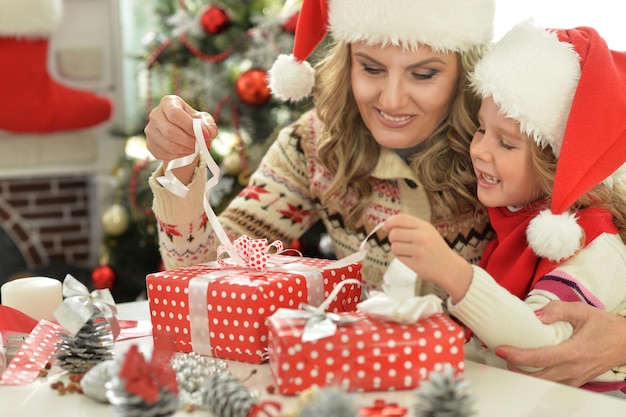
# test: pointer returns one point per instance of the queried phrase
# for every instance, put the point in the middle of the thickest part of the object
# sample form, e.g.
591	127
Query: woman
389	134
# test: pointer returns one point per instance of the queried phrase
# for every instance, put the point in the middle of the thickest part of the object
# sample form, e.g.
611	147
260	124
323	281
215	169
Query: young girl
551	132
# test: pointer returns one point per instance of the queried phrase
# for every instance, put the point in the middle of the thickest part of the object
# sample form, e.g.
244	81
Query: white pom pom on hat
567	90
444	25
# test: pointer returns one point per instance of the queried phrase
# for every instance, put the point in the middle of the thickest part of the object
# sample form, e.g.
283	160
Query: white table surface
499	393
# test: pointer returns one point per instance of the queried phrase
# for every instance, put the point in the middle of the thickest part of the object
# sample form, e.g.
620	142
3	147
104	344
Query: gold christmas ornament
115	220
233	163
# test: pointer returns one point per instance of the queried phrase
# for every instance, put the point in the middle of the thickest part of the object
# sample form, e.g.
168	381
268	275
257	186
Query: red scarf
509	259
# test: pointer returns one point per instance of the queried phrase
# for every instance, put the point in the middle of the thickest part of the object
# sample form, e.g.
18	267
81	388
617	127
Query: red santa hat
567	90
444	25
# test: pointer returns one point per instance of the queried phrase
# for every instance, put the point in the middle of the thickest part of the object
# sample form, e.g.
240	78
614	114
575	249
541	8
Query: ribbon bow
145	379
78	306
252	253
397	302
320	324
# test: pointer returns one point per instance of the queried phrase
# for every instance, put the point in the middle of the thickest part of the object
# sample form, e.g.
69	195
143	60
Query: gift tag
33	355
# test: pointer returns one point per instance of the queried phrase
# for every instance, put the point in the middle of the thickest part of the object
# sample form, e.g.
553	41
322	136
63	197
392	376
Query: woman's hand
419	245
169	132
597	345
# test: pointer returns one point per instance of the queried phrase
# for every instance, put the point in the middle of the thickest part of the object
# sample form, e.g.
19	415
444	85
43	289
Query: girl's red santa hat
444	25
567	90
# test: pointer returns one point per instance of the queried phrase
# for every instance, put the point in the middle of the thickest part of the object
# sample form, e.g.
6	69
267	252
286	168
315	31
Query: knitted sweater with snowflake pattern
282	201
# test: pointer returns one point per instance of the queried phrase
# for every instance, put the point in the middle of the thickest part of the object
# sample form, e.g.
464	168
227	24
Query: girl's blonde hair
349	151
609	196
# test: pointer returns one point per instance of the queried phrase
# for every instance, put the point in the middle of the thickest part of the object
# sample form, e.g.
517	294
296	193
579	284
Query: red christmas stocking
30	100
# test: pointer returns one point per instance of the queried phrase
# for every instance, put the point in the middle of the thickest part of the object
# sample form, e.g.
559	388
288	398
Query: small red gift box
222	312
364	355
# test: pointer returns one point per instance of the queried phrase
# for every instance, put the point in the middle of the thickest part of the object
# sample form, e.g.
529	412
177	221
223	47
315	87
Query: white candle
37	297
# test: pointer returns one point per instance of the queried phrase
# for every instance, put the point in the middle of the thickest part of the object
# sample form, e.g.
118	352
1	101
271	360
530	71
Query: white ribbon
398	301
319	323
172	184
78	306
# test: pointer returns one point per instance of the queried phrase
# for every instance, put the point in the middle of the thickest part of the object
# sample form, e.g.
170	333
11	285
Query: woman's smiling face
402	95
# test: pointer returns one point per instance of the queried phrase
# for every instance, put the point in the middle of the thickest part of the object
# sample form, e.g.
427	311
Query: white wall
606	16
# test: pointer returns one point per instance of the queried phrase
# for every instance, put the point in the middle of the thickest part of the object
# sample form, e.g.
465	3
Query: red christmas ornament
214	20
103	277
252	87
296	245
290	24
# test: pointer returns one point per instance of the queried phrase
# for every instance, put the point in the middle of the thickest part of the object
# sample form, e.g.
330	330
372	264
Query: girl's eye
371	70
424	75
506	146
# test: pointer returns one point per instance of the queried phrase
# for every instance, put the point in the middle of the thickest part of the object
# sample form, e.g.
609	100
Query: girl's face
502	160
402	95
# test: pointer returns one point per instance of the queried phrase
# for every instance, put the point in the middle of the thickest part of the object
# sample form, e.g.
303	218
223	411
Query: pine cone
444	395
91	345
94	382
126	404
225	396
328	402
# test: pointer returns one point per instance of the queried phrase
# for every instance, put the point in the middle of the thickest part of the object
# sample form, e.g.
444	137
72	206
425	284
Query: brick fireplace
47	219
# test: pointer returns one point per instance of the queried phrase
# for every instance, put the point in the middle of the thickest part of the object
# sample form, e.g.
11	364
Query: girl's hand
419	246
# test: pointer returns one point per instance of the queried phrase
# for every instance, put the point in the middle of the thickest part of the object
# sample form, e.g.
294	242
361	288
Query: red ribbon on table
33	355
14	321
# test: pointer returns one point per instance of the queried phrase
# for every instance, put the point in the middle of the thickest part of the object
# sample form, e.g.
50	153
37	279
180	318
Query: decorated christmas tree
215	55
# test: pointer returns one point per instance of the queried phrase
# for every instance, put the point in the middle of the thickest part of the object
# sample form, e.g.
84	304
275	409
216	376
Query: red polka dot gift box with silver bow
221	312
363	354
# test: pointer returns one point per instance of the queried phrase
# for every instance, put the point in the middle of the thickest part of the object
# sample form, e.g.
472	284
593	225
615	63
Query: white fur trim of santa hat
532	77
29	18
444	25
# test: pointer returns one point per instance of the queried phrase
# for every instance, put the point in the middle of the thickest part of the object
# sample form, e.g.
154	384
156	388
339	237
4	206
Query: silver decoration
192	371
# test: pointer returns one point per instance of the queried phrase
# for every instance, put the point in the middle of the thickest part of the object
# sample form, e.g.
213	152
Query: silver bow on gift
79	304
319	323
398	302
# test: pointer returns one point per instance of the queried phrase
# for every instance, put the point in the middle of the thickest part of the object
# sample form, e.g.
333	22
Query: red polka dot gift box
364	353
222	312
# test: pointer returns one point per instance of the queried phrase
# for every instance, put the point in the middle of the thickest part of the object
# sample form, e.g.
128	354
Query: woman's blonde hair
349	151
609	196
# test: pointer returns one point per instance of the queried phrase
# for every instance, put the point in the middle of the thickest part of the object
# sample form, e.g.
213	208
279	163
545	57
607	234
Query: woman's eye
424	75
371	70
